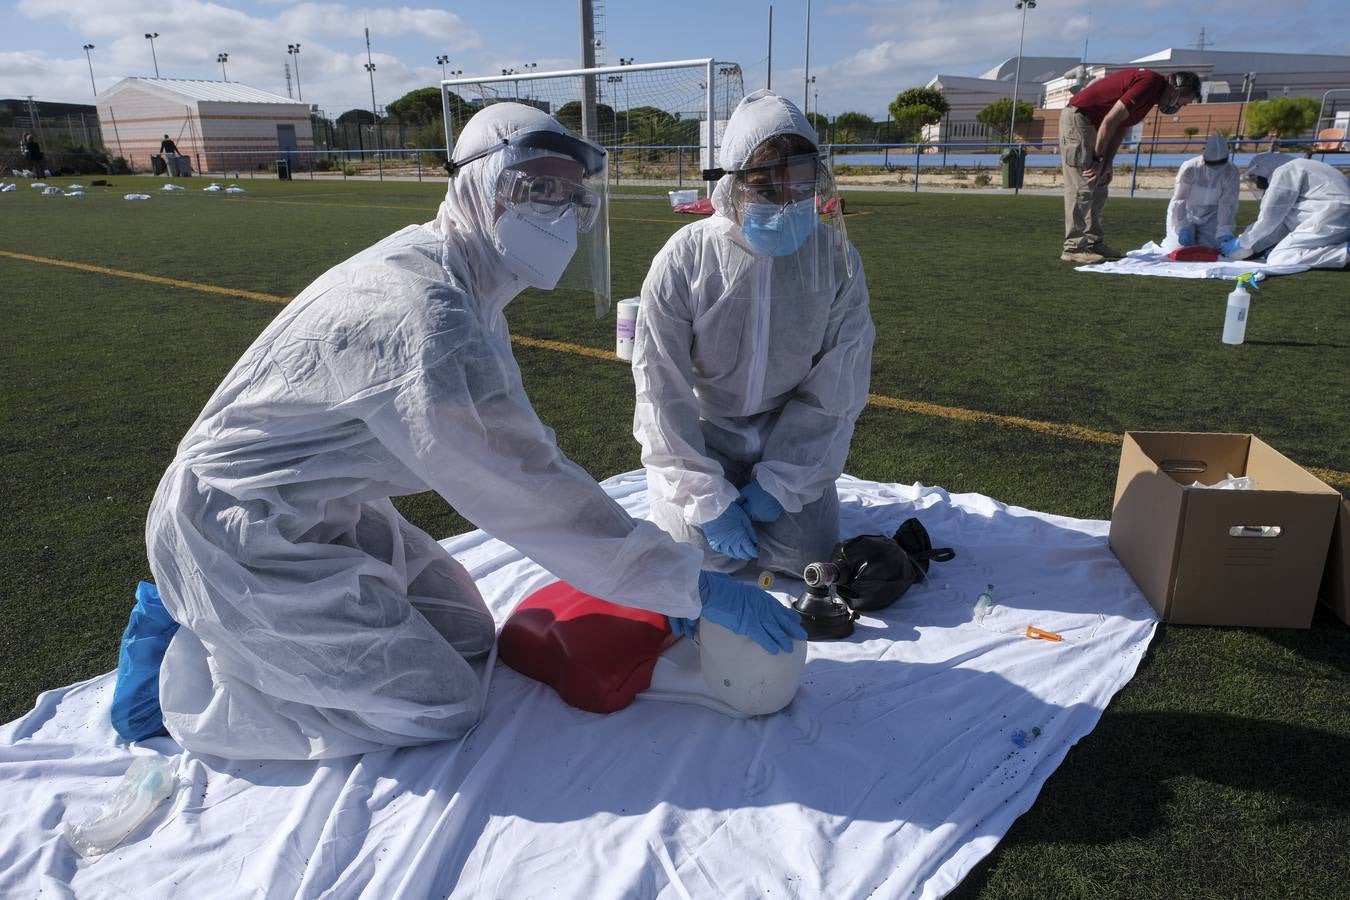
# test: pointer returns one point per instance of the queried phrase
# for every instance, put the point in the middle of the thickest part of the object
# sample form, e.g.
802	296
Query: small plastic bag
147	784
1231	483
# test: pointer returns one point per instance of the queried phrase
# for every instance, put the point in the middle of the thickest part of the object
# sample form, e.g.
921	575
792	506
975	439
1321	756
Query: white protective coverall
317	622
1305	213
743	372
1206	196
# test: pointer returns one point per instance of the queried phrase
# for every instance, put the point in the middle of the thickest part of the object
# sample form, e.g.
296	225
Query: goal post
657	120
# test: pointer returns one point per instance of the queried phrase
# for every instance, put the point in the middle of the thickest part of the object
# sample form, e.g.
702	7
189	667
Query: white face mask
535	249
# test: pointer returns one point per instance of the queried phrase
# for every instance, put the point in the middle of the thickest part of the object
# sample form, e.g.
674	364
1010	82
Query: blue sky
862	53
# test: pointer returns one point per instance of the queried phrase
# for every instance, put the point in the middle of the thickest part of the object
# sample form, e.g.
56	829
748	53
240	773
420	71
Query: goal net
660	122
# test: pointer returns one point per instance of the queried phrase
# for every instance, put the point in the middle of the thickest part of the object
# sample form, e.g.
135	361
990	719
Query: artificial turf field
1220	771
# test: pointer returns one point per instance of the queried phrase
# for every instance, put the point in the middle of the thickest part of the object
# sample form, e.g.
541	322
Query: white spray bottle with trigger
1239	302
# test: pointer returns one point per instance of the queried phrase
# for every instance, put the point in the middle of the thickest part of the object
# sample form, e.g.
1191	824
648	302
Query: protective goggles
779	182
590	156
551	196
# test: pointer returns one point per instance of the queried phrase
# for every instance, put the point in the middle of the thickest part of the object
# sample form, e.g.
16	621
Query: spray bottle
1239	301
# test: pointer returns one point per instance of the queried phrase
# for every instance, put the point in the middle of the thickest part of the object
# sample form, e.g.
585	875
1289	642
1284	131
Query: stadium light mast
769	80
150	36
379	135
1023	5
222	57
294	51
90	59
442	61
806	79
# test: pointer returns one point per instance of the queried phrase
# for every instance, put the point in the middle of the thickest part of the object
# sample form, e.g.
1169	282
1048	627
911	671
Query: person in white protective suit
1305	214
1203	211
316	621
752	354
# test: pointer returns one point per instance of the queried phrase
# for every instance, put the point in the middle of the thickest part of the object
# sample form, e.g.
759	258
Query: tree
820	124
1282	117
916	107
417	107
998	115
1190	132
356	117
569	114
853	128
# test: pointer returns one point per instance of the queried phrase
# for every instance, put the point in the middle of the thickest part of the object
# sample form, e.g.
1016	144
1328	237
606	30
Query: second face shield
789	210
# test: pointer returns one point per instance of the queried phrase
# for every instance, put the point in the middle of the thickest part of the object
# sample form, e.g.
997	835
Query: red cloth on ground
1139	89
1194	254
597	655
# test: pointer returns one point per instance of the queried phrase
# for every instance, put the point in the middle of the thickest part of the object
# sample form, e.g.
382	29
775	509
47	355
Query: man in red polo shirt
1091	128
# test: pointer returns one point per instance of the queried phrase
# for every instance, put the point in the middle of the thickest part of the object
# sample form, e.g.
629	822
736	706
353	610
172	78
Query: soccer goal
660	122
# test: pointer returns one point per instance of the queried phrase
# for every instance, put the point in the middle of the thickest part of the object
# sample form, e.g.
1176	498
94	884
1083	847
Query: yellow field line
917	407
153	279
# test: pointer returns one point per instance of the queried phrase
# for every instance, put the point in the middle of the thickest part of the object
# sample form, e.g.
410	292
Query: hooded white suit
1206	196
746	370
317	622
1305	214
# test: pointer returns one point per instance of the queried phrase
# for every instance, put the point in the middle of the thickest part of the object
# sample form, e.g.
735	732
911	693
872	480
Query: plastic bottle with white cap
1239	303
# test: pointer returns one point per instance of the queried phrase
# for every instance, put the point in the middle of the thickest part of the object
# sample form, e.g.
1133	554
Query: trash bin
1014	167
180	166
157	166
284	169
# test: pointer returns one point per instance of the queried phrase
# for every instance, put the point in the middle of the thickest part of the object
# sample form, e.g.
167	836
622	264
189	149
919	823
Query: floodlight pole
223	58
294	51
589	125
90	59
806	78
1023	5
151	38
769	79
379	137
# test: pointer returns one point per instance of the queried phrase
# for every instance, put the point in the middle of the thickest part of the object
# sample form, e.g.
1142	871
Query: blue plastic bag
135	707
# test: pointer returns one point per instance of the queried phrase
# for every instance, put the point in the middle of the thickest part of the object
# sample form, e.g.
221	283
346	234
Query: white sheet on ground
890	775
1151	259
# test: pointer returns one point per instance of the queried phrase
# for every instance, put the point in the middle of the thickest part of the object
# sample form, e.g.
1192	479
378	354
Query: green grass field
1220	771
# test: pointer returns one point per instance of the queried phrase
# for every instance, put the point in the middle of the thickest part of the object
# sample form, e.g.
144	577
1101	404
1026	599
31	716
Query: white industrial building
1227	76
967	95
219	125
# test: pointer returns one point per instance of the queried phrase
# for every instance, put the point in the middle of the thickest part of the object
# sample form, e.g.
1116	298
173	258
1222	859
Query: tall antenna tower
598	15
288	80
1200	42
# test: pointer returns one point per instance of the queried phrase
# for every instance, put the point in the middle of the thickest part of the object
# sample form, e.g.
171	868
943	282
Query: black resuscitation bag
875	570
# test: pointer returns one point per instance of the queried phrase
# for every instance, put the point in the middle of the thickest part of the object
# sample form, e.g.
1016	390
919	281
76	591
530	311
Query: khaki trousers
1082	201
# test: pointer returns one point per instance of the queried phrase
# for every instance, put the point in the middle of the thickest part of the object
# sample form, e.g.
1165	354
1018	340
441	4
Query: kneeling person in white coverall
753	354
1203	211
1305	214
316	621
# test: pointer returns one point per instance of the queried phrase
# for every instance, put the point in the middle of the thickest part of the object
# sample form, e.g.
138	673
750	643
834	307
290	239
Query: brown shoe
1108	252
1082	257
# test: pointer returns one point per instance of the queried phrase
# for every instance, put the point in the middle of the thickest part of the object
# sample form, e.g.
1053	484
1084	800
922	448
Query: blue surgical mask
778	230
1168	110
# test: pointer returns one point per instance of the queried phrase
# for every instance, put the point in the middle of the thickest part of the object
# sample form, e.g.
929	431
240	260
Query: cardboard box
1336	581
1221	557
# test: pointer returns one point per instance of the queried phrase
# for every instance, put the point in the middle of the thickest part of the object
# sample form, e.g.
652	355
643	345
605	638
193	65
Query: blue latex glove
683	627
747	610
732	533
1225	238
1186	236
135	705
759	503
1229	246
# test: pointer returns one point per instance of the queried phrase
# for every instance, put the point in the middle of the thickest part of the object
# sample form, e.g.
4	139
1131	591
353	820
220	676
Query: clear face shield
552	225
789	211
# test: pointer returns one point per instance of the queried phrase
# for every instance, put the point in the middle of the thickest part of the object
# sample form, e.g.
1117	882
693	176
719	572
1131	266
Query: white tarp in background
897	767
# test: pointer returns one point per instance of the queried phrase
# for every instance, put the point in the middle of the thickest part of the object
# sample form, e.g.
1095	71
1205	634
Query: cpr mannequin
600	656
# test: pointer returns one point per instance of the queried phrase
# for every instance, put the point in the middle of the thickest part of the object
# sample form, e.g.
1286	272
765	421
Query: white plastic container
678	198
1239	303
625	327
